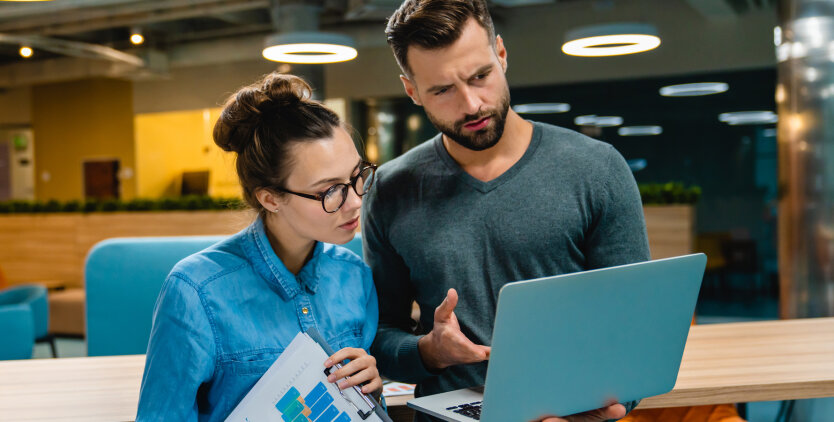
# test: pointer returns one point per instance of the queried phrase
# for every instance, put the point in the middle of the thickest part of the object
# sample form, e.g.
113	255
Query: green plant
190	203
668	193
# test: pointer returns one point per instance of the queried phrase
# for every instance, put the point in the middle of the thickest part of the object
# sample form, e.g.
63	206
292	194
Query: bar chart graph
315	406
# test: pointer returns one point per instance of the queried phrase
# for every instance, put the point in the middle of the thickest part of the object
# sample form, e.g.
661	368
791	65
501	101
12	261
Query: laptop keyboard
472	410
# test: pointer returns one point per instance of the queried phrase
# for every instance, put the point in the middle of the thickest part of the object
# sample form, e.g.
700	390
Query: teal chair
33	296
355	245
123	277
18	328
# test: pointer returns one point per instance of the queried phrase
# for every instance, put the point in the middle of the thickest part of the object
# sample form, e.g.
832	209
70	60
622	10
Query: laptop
576	342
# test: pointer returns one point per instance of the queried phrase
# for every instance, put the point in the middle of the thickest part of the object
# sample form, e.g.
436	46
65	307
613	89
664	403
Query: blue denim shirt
226	313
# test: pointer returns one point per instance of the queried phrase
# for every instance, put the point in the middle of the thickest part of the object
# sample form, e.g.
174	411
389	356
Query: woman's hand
361	369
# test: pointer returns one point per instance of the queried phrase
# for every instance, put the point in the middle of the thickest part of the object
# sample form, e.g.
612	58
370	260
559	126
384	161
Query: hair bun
285	90
243	111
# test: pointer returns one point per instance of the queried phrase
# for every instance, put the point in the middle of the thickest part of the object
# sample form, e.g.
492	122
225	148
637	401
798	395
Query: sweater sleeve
395	346
617	235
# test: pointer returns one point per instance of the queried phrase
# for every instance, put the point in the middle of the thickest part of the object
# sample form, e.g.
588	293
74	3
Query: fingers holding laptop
614	411
446	345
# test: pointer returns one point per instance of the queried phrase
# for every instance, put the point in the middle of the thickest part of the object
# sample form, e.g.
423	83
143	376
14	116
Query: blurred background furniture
123	277
18	328
66	312
33	296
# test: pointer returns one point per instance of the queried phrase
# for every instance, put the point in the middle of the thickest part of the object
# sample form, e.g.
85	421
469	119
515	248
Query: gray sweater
569	204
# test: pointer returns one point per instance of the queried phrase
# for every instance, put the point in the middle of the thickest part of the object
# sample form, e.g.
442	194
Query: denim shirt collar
272	269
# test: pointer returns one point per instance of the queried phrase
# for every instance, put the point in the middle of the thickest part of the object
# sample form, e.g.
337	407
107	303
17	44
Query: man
492	200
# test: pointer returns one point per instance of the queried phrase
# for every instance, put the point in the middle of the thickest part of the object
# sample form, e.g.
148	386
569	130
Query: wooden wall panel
51	248
39	248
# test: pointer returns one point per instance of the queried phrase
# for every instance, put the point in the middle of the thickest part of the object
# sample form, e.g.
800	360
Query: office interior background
82	118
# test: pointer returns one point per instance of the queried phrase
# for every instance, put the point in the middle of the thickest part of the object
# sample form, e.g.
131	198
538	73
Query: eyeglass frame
320	196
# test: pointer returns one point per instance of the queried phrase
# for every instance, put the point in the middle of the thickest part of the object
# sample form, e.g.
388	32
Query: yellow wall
76	121
172	142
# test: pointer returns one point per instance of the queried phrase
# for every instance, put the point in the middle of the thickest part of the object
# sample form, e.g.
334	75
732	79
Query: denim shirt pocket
351	336
254	363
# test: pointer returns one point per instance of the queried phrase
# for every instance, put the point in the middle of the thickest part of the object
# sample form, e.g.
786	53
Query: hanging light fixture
611	40
598	121
309	47
640	130
736	118
542	108
299	39
694	89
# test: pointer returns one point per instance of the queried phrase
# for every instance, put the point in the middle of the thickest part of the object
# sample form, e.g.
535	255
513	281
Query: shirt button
305	311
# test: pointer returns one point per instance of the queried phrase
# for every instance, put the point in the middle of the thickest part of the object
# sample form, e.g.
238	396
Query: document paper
295	389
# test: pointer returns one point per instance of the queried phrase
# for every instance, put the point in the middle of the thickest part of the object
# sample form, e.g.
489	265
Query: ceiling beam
73	48
128	15
714	10
11	10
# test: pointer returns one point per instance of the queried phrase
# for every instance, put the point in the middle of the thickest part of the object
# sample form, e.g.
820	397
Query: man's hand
614	411
446	345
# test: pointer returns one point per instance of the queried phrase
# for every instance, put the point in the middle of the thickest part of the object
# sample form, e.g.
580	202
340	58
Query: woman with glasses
226	313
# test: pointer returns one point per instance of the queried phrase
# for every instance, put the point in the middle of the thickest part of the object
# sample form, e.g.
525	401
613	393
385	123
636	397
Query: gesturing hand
361	368
446	345
614	411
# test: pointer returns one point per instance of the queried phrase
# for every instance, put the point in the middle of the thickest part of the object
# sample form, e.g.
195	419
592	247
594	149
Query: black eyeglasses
335	196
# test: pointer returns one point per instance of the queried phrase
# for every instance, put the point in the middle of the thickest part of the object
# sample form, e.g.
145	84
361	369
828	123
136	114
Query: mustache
471	117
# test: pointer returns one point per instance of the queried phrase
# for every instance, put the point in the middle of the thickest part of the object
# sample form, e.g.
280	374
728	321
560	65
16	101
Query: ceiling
164	23
100	29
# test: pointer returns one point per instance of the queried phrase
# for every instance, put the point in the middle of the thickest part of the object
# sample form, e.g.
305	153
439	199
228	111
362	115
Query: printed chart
316	406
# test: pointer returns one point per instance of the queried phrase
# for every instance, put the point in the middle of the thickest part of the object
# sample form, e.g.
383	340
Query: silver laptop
571	343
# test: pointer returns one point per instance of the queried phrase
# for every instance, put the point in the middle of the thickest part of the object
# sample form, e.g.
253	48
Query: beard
481	139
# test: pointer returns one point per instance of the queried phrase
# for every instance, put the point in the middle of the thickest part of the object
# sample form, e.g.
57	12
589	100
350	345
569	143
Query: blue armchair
122	278
34	297
18	328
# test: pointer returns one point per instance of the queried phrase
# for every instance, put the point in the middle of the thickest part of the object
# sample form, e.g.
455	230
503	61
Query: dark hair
432	24
261	121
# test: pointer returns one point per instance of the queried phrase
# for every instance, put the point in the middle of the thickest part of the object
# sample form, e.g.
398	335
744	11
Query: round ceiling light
611	40
639	130
25	51
694	89
309	47
542	108
136	38
748	117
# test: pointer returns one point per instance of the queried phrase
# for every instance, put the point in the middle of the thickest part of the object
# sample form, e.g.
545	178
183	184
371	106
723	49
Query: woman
226	313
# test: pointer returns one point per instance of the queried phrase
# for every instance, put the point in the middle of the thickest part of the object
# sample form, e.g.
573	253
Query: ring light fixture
309	48
611	40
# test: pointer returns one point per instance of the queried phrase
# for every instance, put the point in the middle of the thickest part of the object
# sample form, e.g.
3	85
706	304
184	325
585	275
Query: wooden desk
740	362
754	361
